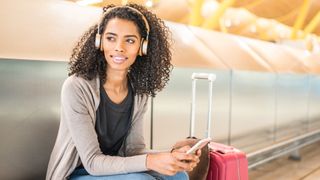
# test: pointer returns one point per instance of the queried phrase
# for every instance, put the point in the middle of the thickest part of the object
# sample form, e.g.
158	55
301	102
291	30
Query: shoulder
77	82
77	86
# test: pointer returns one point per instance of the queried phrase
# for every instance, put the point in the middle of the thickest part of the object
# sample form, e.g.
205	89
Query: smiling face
120	43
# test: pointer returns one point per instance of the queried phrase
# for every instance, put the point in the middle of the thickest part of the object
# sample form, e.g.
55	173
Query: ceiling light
149	3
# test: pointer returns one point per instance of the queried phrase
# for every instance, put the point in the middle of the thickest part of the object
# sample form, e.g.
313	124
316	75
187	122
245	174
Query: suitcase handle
210	77
201	76
224	149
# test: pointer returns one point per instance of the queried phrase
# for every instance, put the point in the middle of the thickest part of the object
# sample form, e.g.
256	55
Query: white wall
42	29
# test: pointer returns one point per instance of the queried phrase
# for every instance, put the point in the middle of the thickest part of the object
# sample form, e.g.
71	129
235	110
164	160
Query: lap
179	176
82	174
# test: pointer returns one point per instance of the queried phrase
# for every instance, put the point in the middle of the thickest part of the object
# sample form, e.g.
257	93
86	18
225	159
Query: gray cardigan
77	139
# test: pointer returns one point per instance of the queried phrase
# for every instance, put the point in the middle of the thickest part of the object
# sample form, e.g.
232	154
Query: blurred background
270	20
265	54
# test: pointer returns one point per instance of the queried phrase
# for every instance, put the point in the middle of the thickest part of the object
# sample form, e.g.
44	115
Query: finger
198	152
184	156
187	157
184	166
193	165
176	163
179	166
173	169
186	161
183	149
188	165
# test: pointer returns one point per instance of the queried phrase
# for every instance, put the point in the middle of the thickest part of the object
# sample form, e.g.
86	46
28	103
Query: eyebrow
114	34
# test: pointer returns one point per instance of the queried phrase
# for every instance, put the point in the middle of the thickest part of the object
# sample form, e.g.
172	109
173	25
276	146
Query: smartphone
200	144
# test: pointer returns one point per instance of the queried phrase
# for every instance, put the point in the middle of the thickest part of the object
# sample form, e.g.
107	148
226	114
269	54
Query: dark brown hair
149	73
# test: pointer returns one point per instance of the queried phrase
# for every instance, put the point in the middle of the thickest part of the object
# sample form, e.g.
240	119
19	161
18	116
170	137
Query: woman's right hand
171	163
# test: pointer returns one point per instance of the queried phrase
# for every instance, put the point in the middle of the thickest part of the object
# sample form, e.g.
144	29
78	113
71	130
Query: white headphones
144	42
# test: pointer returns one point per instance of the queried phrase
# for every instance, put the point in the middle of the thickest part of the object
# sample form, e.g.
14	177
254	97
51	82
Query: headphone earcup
97	41
143	47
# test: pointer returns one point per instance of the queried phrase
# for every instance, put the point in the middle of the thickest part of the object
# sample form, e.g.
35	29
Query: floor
308	168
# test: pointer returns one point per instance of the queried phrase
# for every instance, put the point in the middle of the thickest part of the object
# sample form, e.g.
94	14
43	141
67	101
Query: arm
78	113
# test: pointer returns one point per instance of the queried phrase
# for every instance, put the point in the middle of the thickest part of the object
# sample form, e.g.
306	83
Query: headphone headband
108	10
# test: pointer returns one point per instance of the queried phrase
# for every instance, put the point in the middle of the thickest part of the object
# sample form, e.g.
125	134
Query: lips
118	59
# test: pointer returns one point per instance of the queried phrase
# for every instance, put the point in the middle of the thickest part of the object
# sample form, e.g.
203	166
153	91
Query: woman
115	66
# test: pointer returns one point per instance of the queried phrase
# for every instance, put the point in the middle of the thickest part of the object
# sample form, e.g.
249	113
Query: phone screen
200	144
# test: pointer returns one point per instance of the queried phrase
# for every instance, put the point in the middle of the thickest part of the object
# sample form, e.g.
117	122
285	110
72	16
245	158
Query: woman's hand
191	159
171	163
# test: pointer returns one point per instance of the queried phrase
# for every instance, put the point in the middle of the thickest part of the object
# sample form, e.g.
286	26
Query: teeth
119	59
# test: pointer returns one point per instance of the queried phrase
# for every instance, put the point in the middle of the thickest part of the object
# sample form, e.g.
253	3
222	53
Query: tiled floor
284	169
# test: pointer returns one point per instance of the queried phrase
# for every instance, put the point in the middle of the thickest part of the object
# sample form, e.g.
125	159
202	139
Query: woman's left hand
190	160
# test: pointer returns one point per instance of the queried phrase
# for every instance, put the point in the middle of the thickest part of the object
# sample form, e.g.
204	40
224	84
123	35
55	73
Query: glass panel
29	114
314	103
292	95
253	107
172	108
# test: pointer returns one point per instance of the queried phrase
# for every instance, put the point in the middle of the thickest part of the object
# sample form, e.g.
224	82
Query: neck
116	81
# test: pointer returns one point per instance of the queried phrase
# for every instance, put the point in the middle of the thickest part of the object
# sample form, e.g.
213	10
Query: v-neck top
113	121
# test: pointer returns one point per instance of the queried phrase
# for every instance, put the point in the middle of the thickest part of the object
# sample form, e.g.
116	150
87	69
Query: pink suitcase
226	162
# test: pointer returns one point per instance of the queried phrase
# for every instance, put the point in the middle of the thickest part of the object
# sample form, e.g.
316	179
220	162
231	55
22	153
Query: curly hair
149	73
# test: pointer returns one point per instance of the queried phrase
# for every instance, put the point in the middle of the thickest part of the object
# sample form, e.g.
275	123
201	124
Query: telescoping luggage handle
201	76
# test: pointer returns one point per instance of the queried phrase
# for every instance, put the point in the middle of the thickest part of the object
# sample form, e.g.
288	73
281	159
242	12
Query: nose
120	46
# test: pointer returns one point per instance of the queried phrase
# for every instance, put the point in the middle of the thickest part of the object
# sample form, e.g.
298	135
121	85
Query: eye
131	41
110	38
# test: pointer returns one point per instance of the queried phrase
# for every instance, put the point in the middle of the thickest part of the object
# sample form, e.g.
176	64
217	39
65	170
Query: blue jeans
82	174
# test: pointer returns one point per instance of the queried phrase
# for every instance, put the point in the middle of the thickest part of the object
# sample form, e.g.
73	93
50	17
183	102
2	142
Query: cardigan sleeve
76	101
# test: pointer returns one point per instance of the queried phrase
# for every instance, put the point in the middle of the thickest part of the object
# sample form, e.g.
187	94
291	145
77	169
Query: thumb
183	149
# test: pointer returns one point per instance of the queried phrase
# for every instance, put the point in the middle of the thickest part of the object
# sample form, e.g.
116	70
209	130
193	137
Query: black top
113	121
